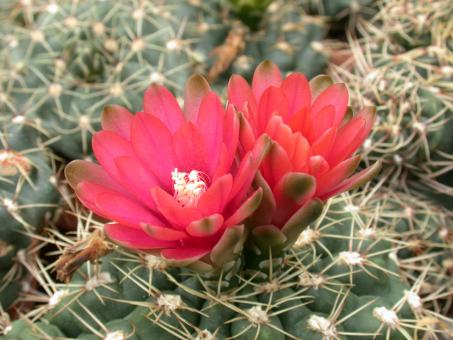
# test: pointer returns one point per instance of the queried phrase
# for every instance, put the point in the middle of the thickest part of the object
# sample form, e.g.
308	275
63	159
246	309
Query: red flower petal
240	93
335	95
266	74
354	181
279	132
87	192
299	152
352	135
124	210
210	126
178	254
78	171
231	133
324	144
174	213
248	167
317	166
216	197
324	120
336	175
275	164
117	119
160	102
246	134
297	91
246	209
150	138
134	238
136	178
195	90
163	233
224	165
301	122
346	141
190	150
272	102
107	146
206	226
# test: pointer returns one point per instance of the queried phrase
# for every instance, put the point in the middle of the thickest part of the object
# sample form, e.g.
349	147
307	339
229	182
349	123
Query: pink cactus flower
170	180
314	138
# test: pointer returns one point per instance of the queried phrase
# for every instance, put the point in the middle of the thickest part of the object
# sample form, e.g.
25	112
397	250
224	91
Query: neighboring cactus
66	60
250	11
403	64
27	193
423	236
340	9
339	280
286	36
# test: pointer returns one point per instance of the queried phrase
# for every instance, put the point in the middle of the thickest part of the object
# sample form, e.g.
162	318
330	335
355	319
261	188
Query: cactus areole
198	184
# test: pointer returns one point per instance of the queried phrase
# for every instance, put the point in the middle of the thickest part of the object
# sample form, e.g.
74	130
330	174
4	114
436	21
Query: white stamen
188	187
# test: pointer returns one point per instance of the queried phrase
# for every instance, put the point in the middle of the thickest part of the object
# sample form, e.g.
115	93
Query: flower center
188	187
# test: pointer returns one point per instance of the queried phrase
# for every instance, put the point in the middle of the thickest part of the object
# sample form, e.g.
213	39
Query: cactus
285	35
377	264
340	280
407	72
66	60
339	10
27	194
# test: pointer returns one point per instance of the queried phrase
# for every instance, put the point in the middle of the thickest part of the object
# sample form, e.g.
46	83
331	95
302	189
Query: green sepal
309	212
229	245
268	236
297	186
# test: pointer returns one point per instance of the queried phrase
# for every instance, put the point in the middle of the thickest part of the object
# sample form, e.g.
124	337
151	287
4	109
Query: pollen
188	187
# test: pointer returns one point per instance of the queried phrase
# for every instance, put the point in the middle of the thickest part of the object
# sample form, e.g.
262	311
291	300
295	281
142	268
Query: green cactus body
27	193
337	281
405	73
66	61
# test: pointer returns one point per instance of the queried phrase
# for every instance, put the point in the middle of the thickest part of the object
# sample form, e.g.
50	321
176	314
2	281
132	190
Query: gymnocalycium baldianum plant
227	194
197	183
216	201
